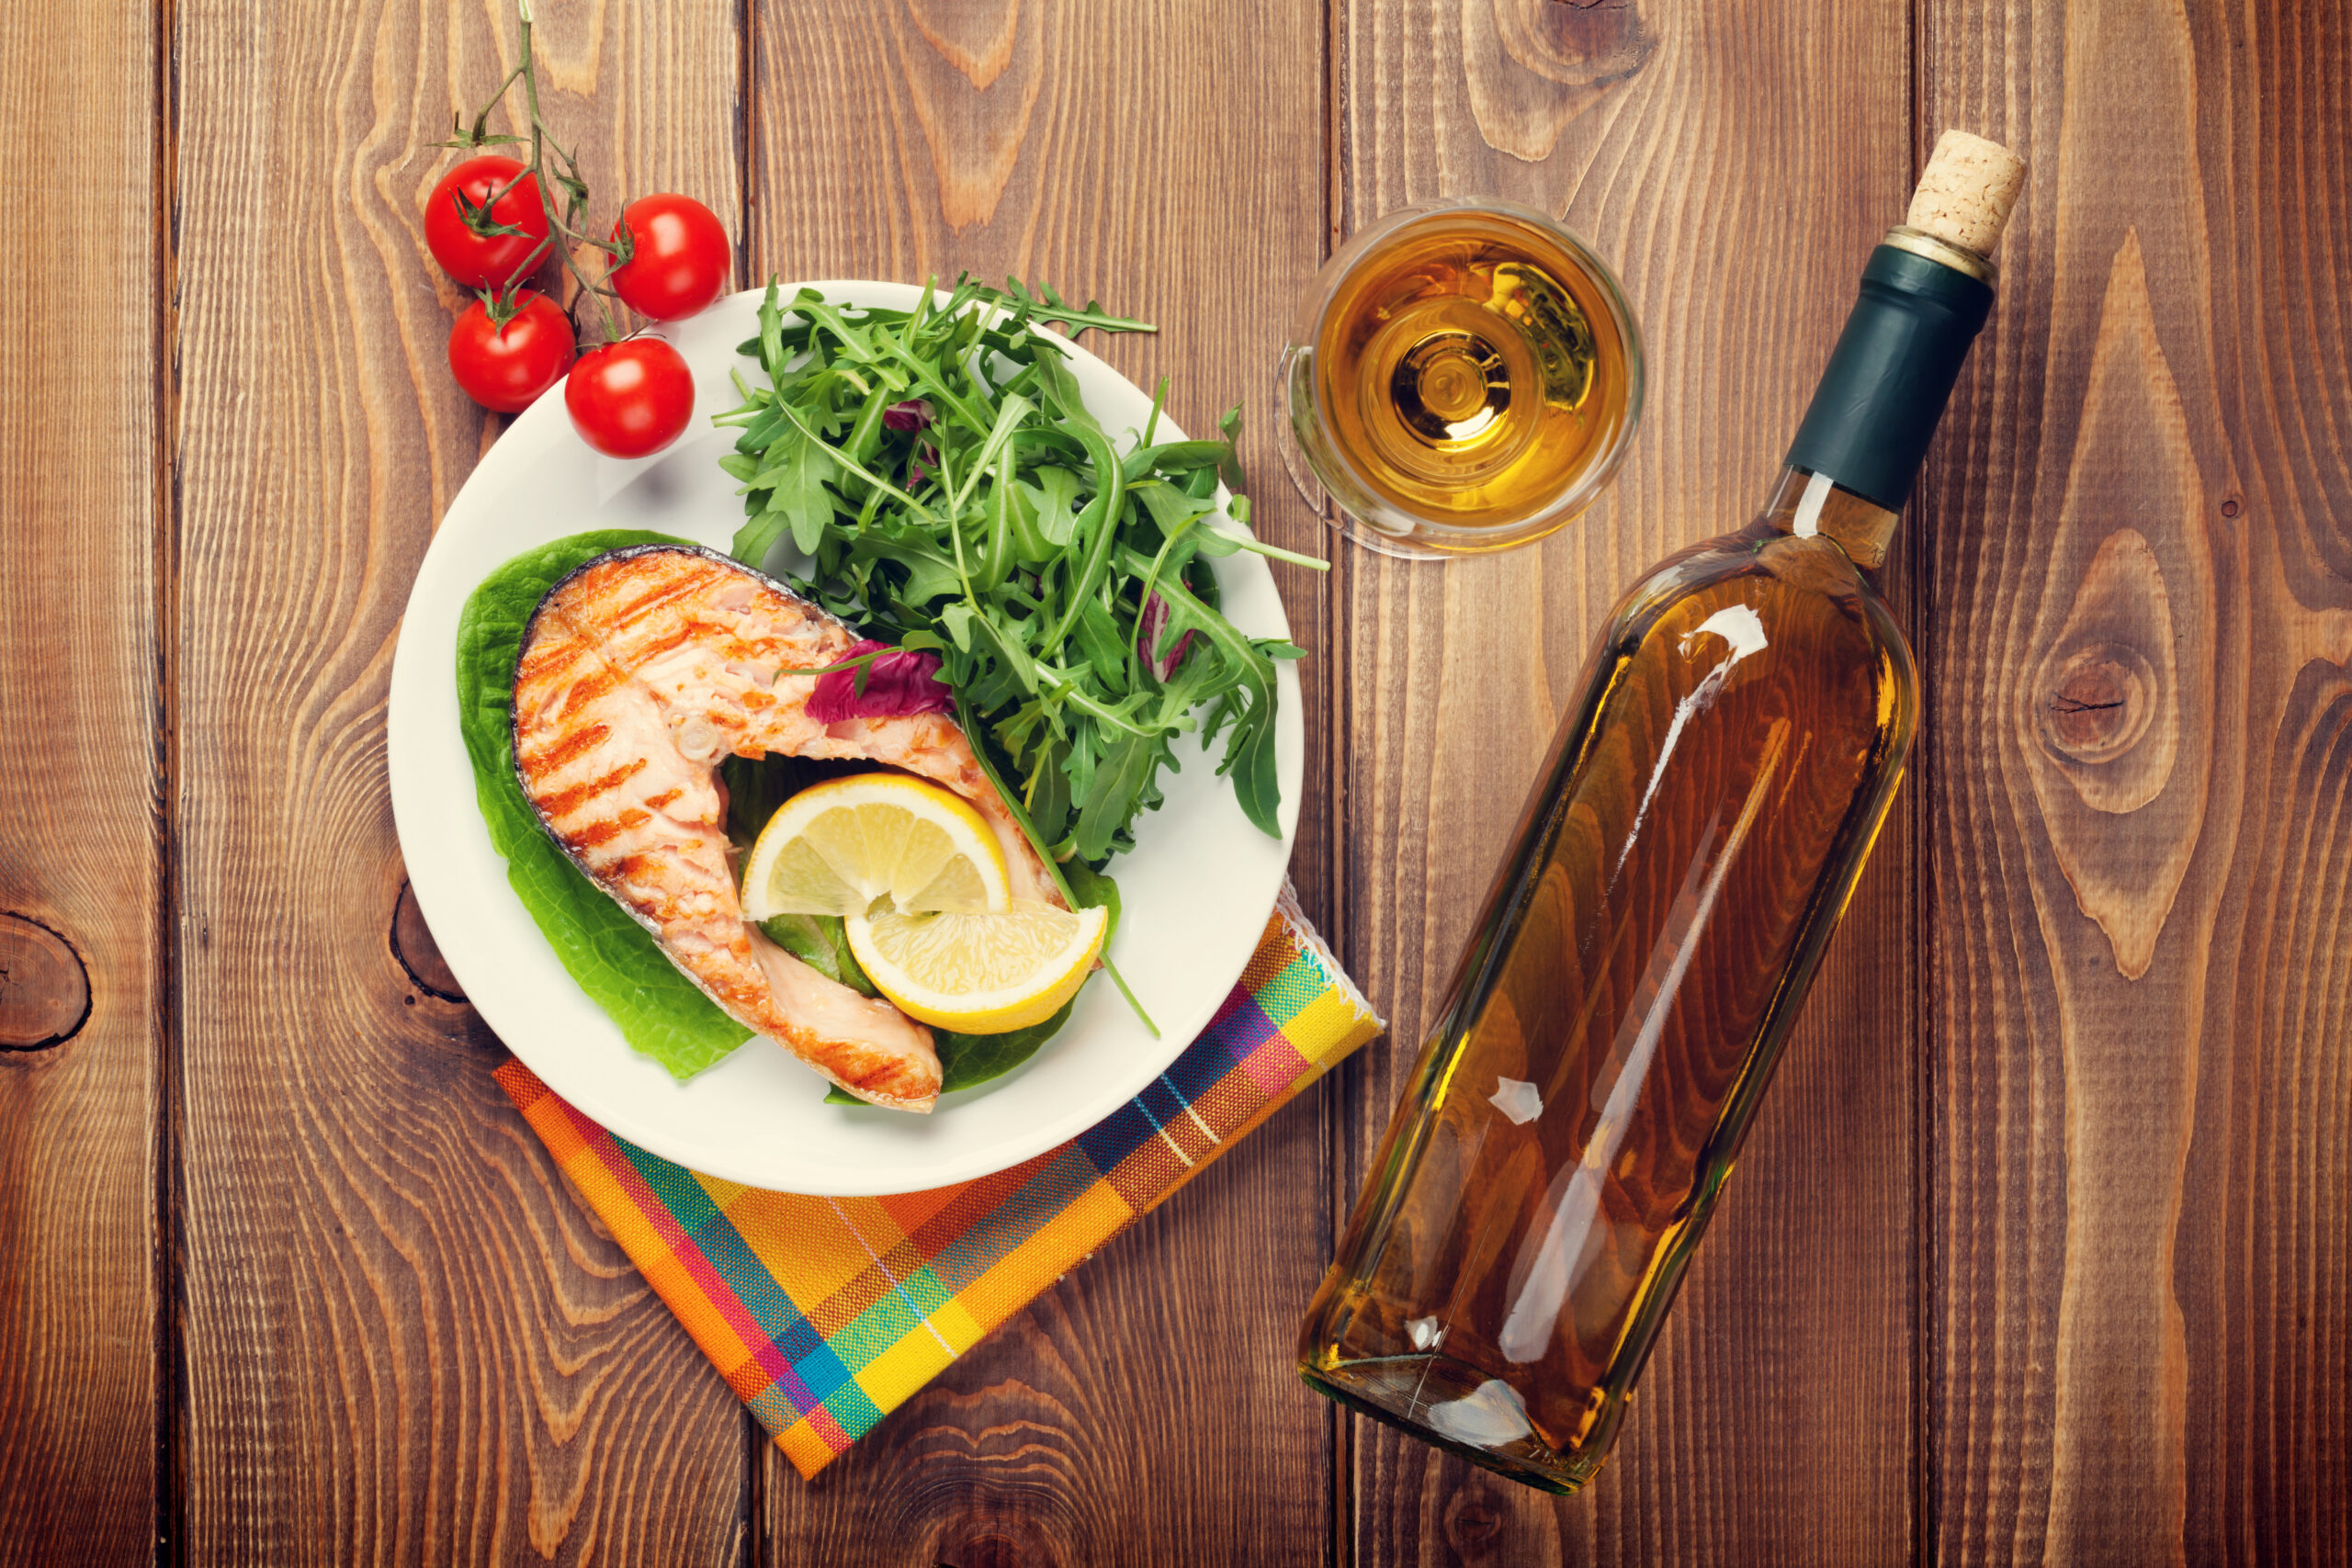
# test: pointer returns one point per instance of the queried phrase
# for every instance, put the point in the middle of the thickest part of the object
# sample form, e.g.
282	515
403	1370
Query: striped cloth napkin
824	1315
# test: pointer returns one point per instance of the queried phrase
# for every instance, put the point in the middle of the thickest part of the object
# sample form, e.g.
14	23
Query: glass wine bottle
1689	846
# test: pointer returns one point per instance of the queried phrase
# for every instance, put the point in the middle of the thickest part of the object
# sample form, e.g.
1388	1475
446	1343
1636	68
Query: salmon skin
638	671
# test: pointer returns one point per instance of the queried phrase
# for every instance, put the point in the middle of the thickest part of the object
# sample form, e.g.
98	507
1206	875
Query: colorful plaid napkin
826	1314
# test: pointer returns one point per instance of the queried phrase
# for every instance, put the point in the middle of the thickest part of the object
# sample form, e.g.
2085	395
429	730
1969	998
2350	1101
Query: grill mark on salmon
567	802
584	694
596	833
669	641
638	672
656	597
581	741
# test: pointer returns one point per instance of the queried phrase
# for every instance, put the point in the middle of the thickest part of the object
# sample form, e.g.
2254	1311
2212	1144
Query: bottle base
1390	1391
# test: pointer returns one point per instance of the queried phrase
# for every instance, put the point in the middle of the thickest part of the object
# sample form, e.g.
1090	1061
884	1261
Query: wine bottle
1688	846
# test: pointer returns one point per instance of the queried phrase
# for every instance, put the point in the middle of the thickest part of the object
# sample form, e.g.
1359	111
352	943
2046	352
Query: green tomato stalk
567	223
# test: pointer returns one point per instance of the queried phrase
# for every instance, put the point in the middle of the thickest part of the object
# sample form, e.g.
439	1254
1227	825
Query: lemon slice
837	847
979	974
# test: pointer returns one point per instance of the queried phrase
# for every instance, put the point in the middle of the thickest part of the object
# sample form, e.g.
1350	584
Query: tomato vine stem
566	222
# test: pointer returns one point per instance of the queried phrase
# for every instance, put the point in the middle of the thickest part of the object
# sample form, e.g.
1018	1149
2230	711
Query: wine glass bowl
1463	377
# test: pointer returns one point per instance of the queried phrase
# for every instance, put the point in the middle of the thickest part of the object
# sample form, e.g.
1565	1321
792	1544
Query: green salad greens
616	961
950	494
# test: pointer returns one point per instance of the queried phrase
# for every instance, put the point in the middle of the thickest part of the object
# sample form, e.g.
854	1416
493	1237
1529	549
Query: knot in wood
1473	1522
418	954
992	1551
44	989
2102	702
2117	708
1533	65
2103	705
1576	41
998	1529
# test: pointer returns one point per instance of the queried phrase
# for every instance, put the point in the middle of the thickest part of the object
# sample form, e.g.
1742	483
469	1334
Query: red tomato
681	261
506	365
631	399
483	261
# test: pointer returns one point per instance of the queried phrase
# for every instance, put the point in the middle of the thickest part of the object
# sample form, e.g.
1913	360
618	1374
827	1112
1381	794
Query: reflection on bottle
1540	1280
1487	1417
1516	1099
1742	631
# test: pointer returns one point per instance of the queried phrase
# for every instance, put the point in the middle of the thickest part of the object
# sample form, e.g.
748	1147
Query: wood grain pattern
82	785
2141	993
2120	728
2072	1283
403	1338
1682	170
1167	157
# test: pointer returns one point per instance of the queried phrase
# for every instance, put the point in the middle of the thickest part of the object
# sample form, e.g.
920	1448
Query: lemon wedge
984	973
837	847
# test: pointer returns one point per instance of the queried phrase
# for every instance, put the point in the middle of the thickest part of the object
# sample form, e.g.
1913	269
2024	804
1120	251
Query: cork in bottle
1966	191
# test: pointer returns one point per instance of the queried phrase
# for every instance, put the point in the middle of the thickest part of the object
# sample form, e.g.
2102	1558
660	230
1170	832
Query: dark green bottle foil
1888	377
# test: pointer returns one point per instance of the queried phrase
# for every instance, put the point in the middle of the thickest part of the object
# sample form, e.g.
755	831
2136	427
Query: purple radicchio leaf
898	682
913	415
1149	626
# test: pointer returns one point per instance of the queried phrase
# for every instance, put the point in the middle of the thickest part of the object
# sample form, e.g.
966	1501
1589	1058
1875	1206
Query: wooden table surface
2042	1250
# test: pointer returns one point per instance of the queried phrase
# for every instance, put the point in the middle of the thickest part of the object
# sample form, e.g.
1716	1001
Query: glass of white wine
1463	377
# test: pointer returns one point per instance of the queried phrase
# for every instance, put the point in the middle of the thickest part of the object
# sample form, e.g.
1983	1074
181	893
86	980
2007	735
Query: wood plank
1735	163
82	772
1168	159
2143	811
403	1336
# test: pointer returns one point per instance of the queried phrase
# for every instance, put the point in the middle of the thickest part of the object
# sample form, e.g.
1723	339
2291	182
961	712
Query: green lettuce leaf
969	1059
614	959
821	941
966	1060
610	956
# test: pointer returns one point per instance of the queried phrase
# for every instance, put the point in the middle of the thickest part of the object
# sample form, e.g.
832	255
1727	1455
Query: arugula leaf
1090	889
800	494
1051	308
992	520
1123	775
613	959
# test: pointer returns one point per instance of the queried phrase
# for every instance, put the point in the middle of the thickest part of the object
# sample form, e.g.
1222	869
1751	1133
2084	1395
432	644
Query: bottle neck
1876	407
1806	503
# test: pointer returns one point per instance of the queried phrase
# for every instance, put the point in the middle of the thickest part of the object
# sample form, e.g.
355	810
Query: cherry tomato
681	261
505	365
631	399
483	261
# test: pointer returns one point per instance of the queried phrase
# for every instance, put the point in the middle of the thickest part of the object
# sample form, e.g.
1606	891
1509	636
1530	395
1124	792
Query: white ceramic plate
1196	891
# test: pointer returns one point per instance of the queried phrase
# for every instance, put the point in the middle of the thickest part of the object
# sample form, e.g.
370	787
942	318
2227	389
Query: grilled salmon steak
638	674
